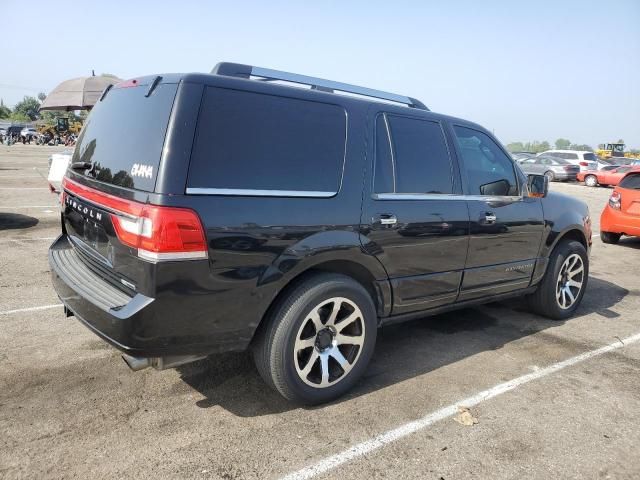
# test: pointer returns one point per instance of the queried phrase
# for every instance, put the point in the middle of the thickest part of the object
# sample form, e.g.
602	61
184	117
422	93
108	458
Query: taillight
568	169
615	199
584	164
157	232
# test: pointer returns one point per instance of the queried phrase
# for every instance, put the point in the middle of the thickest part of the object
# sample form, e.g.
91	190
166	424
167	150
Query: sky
525	70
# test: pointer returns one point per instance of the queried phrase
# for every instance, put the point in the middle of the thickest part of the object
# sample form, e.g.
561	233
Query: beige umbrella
78	93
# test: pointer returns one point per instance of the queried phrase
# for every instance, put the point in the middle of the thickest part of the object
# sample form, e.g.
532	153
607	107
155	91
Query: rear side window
631	181
415	161
124	136
571	156
251	141
589	156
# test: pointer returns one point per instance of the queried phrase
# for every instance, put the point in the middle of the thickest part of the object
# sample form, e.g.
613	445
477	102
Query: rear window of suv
124	135
589	156
253	142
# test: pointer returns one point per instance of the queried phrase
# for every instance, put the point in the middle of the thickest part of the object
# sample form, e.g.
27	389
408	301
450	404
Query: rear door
414	219
506	227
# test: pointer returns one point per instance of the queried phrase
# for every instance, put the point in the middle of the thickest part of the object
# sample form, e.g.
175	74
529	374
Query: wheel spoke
563	303
337	355
306	343
312	360
334	312
343	339
315	318
573	273
348	321
324	368
571	297
573	283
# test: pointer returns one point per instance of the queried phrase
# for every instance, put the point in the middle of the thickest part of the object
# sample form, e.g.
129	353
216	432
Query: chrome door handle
388	219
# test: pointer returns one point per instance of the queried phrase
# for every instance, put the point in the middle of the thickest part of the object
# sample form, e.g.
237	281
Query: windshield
123	137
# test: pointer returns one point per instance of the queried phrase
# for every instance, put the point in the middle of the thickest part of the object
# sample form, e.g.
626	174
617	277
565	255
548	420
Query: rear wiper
80	165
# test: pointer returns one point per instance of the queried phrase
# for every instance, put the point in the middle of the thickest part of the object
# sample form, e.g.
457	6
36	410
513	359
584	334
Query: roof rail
248	71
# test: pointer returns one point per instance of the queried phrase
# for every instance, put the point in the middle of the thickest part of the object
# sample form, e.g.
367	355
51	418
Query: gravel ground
70	408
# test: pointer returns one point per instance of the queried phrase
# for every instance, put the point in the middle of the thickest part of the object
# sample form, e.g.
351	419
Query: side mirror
538	185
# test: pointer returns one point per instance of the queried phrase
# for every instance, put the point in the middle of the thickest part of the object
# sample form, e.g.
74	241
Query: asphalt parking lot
549	401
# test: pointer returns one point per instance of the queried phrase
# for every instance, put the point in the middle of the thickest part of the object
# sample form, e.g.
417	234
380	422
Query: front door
412	219
506	227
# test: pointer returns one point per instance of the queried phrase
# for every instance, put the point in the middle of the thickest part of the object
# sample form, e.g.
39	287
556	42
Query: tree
28	107
562	144
5	111
585	148
42	96
515	147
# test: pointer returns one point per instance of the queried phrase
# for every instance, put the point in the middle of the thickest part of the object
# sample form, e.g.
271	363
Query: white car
586	160
29	132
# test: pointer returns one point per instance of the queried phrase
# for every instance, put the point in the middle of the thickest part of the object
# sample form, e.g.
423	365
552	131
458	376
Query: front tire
591	181
609	237
560	291
318	340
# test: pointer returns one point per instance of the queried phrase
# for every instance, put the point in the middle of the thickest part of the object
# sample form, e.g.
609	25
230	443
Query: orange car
592	178
622	215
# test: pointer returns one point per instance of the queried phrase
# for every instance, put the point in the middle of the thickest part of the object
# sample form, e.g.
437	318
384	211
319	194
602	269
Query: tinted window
489	170
590	157
124	135
384	174
623	170
571	156
631	181
420	154
253	141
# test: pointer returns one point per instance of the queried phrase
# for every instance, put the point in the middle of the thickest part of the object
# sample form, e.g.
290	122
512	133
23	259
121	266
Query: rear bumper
614	221
135	324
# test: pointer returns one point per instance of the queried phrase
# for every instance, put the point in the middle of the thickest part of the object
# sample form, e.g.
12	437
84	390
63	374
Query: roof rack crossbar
247	71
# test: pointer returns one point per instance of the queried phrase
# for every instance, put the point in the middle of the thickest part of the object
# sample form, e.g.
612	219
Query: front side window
489	170
251	141
411	157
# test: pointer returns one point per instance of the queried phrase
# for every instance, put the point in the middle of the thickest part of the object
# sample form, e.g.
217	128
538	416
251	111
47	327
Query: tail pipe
159	363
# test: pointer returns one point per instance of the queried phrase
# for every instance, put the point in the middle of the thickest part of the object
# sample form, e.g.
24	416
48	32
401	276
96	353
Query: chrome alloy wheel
570	281
590	181
329	342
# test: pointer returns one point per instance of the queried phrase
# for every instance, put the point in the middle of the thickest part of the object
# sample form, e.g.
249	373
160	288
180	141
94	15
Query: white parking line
21	240
402	431
30	309
19	207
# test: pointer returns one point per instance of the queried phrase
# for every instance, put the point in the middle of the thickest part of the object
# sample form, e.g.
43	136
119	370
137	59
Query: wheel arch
378	289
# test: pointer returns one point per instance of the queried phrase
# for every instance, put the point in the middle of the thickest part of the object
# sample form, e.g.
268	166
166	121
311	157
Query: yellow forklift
609	150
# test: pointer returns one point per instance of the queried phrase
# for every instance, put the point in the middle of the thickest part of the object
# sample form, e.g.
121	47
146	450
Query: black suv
205	213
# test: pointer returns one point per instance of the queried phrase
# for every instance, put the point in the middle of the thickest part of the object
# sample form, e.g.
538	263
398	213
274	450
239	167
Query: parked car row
572	165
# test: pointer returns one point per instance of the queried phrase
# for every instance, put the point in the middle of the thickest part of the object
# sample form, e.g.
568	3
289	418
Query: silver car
554	168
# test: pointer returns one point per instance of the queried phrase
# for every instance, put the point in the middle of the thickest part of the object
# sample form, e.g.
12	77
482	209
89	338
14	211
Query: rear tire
560	291
609	237
318	340
550	175
591	181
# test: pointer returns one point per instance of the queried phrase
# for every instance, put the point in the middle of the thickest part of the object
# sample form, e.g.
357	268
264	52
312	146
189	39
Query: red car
592	178
622	215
